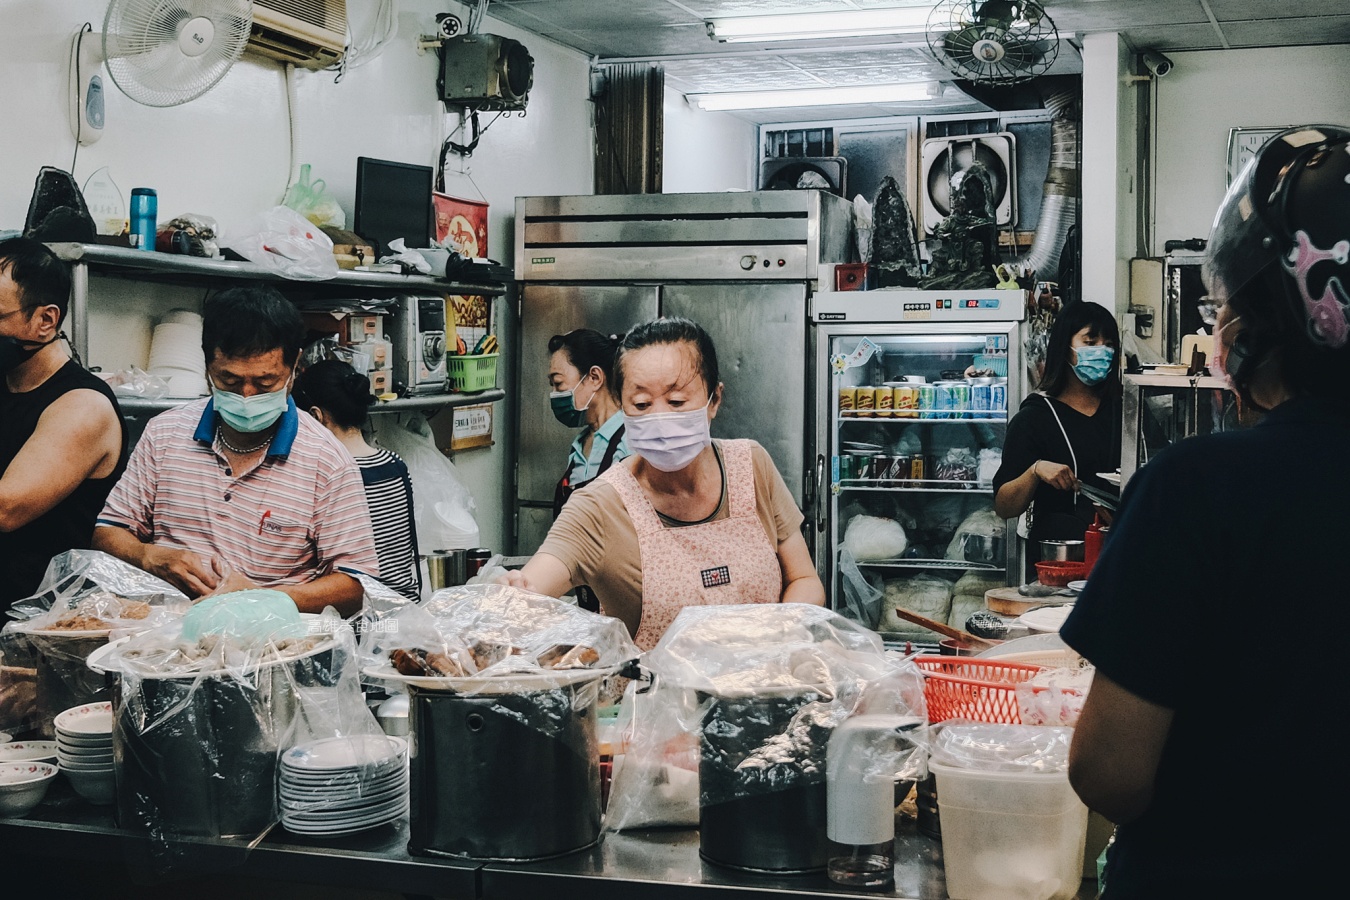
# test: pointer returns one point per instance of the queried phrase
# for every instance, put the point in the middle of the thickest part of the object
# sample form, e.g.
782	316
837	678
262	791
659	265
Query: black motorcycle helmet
1279	253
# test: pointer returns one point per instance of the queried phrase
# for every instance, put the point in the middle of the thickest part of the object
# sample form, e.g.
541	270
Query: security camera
1157	64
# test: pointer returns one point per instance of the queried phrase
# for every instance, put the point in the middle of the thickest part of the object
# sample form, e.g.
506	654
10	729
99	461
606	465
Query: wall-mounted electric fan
993	41
167	52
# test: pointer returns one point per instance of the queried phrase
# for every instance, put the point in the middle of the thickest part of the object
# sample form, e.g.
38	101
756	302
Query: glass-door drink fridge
912	408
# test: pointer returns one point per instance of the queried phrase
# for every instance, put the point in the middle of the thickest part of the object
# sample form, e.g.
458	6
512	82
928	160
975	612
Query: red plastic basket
981	690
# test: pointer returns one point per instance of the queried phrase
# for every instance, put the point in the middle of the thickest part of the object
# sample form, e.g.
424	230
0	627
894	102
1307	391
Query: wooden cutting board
1006	601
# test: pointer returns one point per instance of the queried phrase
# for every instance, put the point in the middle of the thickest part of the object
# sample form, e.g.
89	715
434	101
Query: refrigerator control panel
918	306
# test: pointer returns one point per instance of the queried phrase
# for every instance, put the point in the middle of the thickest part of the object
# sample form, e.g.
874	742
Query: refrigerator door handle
820	492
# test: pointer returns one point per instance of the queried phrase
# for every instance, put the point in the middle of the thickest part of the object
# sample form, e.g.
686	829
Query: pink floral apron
726	561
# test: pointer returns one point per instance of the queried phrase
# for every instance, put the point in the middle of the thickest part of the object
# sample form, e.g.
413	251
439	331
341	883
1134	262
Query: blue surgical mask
564	407
1094	364
250	414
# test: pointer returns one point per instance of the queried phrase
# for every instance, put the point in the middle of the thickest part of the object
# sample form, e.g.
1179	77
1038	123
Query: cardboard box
349	328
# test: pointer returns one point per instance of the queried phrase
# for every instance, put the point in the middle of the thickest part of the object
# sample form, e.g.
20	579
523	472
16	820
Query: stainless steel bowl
1062	551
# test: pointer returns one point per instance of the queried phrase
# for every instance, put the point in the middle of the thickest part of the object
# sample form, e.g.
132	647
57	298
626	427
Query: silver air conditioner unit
485	72
943	157
307	33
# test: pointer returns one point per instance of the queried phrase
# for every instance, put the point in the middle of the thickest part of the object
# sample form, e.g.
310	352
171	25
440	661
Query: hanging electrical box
485	72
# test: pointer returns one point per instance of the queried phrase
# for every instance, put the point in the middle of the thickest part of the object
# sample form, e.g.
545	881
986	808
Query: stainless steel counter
653	865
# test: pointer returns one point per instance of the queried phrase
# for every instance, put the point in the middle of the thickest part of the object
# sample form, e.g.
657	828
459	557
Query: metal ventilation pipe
1059	205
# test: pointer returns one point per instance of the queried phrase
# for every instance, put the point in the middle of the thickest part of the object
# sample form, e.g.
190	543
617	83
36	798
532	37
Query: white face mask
669	441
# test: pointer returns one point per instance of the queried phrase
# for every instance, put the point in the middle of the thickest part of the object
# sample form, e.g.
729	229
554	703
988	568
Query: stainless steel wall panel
760	332
547	310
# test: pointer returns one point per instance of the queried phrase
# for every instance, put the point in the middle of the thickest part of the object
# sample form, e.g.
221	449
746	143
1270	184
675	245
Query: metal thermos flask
144	209
447	568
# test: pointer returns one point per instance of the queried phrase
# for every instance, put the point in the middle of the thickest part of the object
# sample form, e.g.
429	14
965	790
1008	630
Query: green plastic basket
472	373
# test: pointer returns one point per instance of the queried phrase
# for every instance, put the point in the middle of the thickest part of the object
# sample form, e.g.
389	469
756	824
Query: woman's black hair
670	330
1073	318
337	389
41	277
250	321
587	348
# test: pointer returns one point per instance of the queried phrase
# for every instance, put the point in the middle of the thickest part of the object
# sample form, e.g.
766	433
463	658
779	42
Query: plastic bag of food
872	537
968	595
927	595
1054	696
86	598
978	539
311	200
282	240
226	731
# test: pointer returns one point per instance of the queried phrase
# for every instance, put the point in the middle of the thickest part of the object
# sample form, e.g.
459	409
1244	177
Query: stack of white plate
84	750
176	353
343	785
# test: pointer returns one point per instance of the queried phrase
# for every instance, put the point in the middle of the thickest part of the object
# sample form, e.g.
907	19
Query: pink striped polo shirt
300	514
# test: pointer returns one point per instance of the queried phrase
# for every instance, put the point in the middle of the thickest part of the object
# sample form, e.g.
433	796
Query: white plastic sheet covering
1002	748
201	724
485	638
85	599
743	702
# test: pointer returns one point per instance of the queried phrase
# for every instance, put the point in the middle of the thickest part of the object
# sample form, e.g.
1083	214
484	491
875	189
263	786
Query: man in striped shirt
240	490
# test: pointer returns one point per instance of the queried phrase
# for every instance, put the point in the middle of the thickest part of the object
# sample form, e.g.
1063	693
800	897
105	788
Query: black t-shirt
1227	557
1032	435
25	552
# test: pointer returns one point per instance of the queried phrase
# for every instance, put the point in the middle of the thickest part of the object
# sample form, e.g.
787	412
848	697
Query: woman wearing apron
581	376
687	520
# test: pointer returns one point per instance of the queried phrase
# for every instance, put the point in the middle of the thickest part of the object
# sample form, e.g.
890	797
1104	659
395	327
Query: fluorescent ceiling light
806	26
822	96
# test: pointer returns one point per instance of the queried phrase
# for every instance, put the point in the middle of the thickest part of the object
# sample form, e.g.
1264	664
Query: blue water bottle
144	208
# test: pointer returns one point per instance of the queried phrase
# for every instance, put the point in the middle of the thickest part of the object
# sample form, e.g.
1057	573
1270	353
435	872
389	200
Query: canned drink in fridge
905	402
848	401
885	402
867	401
881	469
902	466
926	401
998	399
958	402
916	470
943	400
981	400
848	467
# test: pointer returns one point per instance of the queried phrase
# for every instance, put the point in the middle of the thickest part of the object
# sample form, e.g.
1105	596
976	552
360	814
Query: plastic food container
1010	835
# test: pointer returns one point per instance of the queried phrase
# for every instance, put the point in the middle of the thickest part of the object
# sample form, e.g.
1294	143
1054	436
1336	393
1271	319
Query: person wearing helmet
1218	763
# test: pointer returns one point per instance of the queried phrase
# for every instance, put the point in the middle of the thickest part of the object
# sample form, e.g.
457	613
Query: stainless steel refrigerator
743	265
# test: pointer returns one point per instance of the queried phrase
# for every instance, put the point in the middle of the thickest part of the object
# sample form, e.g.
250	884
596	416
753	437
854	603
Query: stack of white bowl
84	750
176	353
343	785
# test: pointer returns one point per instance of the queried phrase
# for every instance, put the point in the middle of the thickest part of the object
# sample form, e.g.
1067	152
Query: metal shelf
898	420
957	489
954	564
133	406
142	264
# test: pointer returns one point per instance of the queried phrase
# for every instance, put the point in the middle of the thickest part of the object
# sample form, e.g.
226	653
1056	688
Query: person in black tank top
63	443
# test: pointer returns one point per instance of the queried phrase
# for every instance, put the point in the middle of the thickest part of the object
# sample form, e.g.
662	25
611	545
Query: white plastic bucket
1010	835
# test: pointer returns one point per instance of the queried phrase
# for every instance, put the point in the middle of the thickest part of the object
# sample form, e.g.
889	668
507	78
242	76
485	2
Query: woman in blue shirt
580	373
580	370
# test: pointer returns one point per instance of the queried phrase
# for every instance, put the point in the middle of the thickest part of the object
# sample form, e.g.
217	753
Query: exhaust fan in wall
485	72
826	173
943	157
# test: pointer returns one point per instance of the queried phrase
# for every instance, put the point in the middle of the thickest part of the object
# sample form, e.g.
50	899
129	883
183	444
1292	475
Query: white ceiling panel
673	33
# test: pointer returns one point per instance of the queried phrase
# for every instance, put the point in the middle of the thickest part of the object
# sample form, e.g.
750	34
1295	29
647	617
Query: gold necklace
220	436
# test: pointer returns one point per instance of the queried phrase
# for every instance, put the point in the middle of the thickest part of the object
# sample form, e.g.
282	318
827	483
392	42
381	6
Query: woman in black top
1067	431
